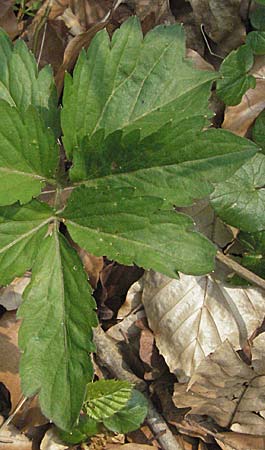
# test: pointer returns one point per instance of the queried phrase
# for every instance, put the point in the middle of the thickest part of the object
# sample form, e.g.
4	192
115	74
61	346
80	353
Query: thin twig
240	270
11	417
111	358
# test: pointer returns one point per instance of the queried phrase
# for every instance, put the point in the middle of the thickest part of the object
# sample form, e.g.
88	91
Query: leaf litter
208	367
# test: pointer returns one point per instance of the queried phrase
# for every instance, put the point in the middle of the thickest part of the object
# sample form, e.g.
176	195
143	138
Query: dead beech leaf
192	316
227	389
129	447
239	441
198	61
160	9
8	19
239	118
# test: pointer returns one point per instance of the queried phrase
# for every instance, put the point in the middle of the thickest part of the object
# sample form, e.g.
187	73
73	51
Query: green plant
133	122
27	8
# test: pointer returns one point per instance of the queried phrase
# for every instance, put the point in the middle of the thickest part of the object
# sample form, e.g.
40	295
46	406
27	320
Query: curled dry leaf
239	118
192	316
52	442
228	390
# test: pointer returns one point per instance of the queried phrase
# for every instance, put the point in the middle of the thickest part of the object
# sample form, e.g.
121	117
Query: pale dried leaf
239	118
192	316
239	441
11	296
129	447
133	299
226	389
52	442
12	439
198	61
71	21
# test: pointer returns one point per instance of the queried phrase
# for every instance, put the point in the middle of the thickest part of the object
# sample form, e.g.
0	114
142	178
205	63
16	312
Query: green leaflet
106	397
253	251
256	41
257	17
240	201
22	230
132	83
181	158
235	80
258	131
130	417
22	86
131	229
56	332
85	428
28	154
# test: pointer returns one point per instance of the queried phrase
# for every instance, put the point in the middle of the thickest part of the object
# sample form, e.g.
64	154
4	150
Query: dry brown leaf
11	296
129	447
9	361
239	441
227	389
12	439
239	118
90	11
8	19
191	317
160	9
221	22
198	61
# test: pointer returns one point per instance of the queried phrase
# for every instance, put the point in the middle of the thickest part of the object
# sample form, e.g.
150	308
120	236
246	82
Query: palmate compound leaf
130	228
192	316
106	397
22	229
131	83
22	86
240	200
28	154
56	332
227	389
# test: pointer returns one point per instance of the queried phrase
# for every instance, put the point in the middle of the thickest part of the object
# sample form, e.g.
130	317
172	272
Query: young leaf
28	154
130	229
106	397
132	83
22	86
130	417
235	80
256	41
56	332
22	230
240	201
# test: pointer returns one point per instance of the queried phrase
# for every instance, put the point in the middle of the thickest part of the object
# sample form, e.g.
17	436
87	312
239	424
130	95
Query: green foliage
258	131
256	41
133	119
130	417
240	200
235	80
85	428
257	17
106	397
253	251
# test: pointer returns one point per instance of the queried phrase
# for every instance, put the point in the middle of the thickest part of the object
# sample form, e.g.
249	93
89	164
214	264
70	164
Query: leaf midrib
25	235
